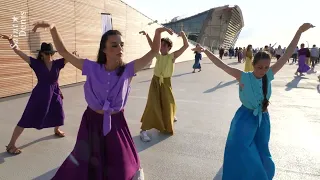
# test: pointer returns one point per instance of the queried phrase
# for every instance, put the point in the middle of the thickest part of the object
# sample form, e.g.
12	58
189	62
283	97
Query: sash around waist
160	76
47	83
102	111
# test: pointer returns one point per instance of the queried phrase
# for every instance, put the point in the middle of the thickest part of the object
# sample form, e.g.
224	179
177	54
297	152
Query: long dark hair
40	57
101	57
260	56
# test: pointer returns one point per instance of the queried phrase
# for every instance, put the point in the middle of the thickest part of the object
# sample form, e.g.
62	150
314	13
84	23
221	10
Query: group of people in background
104	148
307	58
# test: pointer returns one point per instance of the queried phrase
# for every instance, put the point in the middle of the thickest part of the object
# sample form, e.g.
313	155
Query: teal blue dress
247	155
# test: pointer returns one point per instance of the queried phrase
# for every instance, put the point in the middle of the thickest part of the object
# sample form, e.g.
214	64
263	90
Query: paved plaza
206	103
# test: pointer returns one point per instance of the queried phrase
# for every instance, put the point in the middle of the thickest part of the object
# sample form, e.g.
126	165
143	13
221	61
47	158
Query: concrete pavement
206	104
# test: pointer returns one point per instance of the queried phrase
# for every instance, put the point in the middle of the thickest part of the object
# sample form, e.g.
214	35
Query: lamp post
150	23
204	40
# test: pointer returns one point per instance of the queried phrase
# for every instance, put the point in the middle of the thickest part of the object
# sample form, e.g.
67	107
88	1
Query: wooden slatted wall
61	13
79	24
15	75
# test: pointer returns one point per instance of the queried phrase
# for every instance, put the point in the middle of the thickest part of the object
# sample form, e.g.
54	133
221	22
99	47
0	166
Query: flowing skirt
196	64
247	155
303	67
248	65
44	108
98	157
161	107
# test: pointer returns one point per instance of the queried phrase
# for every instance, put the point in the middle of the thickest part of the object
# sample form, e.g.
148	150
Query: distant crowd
239	52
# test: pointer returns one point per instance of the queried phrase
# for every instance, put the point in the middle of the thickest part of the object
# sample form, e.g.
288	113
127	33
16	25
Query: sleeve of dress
270	75
171	56
33	62
158	55
87	67
244	77
130	69
244	81
60	63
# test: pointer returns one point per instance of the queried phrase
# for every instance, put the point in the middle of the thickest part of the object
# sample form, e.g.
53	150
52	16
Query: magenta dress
44	108
104	149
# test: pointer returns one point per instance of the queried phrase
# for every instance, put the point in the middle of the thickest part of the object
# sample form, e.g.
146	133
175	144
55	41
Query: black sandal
13	150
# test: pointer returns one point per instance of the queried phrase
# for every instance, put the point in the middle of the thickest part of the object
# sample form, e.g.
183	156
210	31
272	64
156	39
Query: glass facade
191	26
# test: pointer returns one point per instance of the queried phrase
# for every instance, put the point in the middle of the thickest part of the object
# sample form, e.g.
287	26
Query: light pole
150	23
204	40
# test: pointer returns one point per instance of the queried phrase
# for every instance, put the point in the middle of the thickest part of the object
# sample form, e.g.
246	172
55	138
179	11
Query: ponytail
265	102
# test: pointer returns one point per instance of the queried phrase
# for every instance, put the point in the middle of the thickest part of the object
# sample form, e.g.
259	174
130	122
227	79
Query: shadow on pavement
233	63
47	175
294	83
156	138
218	175
178	75
220	85
312	71
5	155
49	137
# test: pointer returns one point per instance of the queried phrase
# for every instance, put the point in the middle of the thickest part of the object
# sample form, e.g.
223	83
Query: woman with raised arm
44	108
104	148
304	54
197	58
247	154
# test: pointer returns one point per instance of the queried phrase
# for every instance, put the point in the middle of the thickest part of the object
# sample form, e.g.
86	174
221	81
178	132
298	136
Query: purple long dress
44	108
104	149
303	67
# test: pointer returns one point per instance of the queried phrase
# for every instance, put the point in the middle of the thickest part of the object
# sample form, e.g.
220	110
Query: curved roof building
81	24
213	28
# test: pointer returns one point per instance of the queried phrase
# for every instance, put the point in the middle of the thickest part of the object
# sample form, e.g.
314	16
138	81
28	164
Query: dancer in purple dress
303	53
44	108
104	149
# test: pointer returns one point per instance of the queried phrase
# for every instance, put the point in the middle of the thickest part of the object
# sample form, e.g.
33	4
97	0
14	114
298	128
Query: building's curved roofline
226	6
241	16
190	17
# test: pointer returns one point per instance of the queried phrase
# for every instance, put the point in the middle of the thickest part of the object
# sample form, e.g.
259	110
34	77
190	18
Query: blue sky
265	23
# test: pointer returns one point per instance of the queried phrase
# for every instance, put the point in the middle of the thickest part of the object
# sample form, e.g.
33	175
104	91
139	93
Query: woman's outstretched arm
15	48
57	40
139	64
236	73
292	46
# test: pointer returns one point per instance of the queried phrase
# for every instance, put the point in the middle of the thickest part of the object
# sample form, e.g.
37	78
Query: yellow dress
248	63
161	107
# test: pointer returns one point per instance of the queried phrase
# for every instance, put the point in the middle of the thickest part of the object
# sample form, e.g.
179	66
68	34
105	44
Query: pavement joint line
297	172
184	101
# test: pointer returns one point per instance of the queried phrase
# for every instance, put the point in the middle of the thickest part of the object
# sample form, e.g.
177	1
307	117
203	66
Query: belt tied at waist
108	111
161	78
256	112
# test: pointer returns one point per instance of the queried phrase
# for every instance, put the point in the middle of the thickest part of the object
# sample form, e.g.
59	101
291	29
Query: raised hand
306	26
40	24
198	48
164	29
181	33
143	33
3	36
